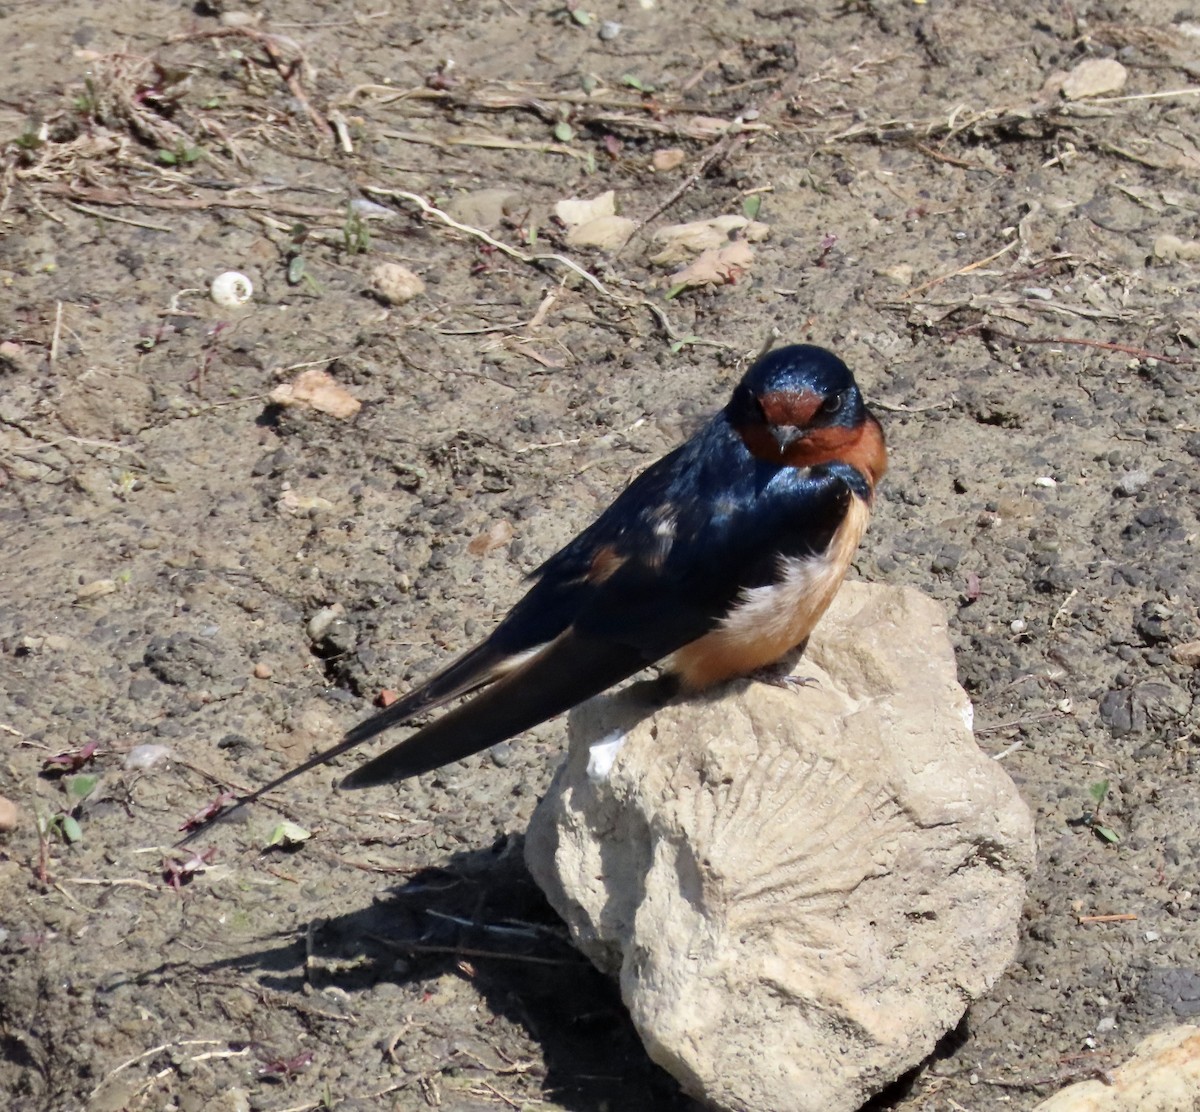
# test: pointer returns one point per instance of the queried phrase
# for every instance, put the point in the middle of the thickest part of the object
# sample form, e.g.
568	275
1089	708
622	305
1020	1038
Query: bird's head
799	406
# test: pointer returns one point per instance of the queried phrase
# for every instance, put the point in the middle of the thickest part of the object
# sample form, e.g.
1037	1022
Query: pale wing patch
766	623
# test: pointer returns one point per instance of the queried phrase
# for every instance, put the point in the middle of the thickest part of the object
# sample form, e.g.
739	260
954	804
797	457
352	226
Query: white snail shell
231	289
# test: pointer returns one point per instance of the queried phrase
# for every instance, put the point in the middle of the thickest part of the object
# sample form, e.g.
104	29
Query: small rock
1094	77
263	671
1129	484
1132	710
670	158
1188	655
396	284
319	623
10	815
1171	248
1152	623
1163	1075
240	19
146	756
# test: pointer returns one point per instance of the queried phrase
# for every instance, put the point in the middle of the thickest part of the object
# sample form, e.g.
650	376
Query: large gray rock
800	890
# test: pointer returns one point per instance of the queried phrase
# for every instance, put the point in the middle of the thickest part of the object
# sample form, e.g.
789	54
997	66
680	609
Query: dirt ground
986	253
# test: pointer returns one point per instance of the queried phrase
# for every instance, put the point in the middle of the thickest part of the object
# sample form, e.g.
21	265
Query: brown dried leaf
678	242
716	268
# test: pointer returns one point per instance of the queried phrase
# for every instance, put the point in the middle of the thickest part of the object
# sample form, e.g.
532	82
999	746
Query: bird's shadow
481	915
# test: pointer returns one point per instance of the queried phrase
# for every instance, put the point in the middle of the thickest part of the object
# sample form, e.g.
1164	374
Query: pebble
1130	484
1187	655
263	671
319	623
396	284
10	815
146	756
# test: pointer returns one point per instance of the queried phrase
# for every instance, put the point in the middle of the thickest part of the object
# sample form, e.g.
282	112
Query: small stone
501	754
1018	625
396	284
320	622
146	756
670	158
1094	77
1171	249
263	671
1129	484
10	815
1188	655
609	30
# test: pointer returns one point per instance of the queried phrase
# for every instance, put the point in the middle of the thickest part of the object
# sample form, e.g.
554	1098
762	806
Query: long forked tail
468	673
566	672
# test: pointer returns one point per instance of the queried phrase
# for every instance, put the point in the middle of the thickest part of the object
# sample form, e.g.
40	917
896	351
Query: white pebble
396	284
319	623
146	756
1045	481
231	289
1018	625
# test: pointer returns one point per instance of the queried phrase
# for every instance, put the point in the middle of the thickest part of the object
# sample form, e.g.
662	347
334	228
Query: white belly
766	623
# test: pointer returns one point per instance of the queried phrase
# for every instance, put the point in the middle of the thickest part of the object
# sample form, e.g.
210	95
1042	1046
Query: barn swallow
718	559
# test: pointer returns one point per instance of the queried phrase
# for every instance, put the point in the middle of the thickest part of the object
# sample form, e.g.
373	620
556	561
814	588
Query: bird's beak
785	436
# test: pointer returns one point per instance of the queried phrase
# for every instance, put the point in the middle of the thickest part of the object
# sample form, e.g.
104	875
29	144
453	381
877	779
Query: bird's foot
788	682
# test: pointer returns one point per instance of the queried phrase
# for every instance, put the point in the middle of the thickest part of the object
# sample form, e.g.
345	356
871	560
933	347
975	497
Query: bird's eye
832	405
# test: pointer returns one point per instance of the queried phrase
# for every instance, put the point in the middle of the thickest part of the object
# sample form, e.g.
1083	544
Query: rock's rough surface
1162	1076
801	890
